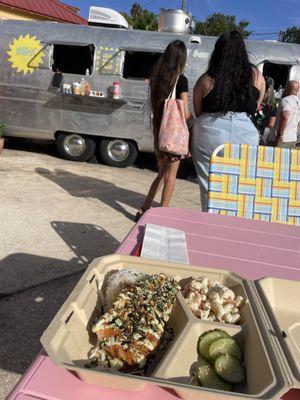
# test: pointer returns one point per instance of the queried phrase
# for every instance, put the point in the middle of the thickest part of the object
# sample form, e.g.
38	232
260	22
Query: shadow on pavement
87	241
21	271
32	146
88	187
25	316
33	288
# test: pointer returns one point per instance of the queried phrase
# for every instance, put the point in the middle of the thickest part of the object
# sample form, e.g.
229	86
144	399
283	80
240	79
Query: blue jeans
211	130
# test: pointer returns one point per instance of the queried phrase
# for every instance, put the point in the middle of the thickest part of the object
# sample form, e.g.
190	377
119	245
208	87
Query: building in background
40	10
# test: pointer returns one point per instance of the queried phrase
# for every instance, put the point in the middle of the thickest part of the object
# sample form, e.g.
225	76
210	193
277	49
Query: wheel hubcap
118	150
74	145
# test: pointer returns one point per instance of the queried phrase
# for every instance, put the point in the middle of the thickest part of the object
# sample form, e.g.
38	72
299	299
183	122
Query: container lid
281	301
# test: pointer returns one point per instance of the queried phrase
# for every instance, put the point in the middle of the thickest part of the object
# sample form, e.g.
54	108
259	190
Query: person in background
166	73
265	116
288	116
224	99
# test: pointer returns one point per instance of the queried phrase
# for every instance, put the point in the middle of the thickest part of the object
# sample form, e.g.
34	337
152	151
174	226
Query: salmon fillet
131	330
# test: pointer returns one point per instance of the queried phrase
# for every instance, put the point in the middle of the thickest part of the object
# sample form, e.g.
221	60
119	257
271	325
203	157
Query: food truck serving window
279	72
73	59
139	64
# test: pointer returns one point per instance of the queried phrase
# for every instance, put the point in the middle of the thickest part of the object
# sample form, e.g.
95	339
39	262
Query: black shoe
139	214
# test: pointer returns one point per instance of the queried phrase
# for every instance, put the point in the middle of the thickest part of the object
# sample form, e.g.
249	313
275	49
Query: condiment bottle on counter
76	88
87	90
82	86
116	90
67	88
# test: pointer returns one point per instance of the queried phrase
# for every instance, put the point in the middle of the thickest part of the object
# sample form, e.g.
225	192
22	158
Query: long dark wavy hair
232	72
163	78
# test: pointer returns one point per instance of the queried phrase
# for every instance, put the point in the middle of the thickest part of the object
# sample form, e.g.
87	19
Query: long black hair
163	79
232	72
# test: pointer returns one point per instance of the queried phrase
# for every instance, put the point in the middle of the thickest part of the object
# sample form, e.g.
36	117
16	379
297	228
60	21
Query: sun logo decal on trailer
25	54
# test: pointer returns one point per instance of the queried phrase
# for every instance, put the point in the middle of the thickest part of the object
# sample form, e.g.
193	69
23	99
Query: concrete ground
55	217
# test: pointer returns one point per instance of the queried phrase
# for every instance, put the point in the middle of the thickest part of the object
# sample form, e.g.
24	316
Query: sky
265	16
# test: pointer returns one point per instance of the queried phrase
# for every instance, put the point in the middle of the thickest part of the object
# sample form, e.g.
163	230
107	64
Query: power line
148	3
261	34
279	34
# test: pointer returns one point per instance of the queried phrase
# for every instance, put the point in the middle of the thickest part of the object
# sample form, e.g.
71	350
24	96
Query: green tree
292	35
218	23
141	18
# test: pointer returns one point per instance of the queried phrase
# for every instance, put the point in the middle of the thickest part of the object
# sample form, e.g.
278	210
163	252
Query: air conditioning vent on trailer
100	16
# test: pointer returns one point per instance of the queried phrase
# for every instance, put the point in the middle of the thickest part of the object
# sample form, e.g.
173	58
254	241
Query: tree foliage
218	23
292	35
141	18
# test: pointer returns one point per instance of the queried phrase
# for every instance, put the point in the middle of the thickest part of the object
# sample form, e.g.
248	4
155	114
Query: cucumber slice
208	378
224	346
206	339
230	369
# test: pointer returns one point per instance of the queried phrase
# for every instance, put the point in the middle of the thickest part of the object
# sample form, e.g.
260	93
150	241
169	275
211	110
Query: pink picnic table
253	249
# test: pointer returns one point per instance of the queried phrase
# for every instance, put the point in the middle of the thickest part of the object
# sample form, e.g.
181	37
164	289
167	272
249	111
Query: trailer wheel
75	147
117	152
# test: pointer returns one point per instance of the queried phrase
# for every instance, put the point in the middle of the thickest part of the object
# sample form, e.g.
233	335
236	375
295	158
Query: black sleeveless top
182	85
248	105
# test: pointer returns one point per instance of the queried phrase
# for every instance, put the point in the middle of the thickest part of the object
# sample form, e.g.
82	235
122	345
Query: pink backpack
173	134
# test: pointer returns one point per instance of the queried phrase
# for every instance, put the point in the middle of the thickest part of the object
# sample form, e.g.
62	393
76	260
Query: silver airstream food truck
38	58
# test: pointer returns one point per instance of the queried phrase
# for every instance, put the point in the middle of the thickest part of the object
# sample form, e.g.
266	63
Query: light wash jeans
211	130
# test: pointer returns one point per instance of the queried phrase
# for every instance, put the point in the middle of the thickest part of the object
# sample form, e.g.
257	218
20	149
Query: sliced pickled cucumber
230	369
208	378
224	346
206	339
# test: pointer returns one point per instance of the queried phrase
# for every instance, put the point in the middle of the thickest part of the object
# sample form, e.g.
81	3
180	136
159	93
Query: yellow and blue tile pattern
256	182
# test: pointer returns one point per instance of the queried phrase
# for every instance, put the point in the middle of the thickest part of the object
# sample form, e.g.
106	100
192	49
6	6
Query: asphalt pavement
56	216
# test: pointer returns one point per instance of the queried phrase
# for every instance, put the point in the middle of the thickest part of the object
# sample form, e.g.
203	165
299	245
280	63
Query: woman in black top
224	99
168	70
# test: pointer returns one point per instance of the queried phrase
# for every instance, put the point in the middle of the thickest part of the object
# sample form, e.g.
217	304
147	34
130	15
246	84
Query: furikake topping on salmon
131	330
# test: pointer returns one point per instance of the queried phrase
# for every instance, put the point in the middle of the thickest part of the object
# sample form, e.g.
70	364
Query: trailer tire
118	152
75	147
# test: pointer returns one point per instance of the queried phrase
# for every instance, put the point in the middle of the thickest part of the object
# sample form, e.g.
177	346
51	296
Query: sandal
139	214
